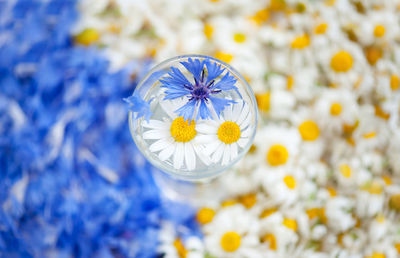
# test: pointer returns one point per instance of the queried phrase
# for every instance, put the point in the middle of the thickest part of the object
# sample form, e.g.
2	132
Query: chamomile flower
338	212
277	147
172	246
336	108
283	188
224	137
203	90
173	139
233	233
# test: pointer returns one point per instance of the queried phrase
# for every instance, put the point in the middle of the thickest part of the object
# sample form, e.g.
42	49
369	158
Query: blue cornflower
204	90
139	106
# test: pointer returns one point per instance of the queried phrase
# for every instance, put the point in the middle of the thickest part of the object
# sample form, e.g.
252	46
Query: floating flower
207	83
139	106
224	137
174	137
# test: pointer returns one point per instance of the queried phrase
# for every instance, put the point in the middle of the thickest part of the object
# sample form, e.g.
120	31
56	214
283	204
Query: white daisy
336	108
233	233
226	137
174	139
172	246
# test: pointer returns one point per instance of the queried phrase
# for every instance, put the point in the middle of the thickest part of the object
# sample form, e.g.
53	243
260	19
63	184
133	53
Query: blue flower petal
226	83
219	104
203	112
139	106
187	110
195	67
213	69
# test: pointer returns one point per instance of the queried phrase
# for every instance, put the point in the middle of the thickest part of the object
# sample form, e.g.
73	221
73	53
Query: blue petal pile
72	183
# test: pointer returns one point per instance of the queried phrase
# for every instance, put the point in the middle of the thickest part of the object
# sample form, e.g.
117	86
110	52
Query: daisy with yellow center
232	233
336	108
173	139
225	137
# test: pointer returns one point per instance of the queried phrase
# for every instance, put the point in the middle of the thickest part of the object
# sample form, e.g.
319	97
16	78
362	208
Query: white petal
205	139
234	151
155	134
242	142
210	148
168	108
246	132
212	111
236	111
245	122
226	155
190	157
160	145
167	152
218	153
202	154
243	114
228	113
178	155
206	128
155	124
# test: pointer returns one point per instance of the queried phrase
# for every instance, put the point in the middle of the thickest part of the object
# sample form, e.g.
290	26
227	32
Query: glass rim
199	174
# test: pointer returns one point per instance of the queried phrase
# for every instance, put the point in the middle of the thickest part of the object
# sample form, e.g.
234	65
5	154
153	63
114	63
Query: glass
232	128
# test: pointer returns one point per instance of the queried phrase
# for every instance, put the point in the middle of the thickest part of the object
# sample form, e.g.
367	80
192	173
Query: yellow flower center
394	202
376	255
336	109
330	2
290	182
205	215
289	82
332	191
380	218
261	16
369	135
223	56
309	130
267	212
321	28
228	132
317	213
228	203
208	31
394	82
277	155
180	248
182	131
397	246
342	61
230	241
373	188
345	170
248	200
239	37
379	112
263	101
387	180
301	42
379	31
271	239
290	223
373	54
277	5
87	37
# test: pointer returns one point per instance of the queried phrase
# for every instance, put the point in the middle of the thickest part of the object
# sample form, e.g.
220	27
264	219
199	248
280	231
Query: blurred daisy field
322	178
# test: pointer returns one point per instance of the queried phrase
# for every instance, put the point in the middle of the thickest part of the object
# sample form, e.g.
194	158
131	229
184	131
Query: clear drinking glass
219	131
